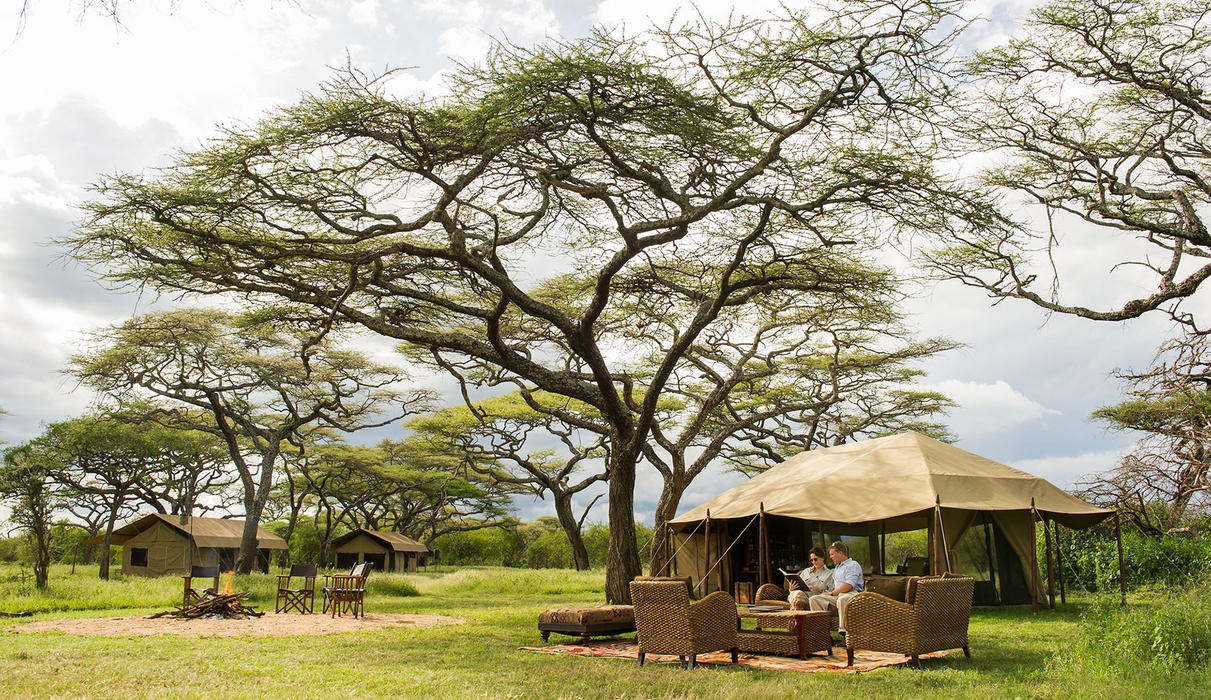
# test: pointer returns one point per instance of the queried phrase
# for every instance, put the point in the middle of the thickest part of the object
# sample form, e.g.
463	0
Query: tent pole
1034	562
668	563
929	547
705	586
992	567
1050	574
1059	562
823	539
882	547
1118	538
761	548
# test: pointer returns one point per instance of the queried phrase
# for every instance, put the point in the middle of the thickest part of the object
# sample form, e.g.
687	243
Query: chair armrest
718	608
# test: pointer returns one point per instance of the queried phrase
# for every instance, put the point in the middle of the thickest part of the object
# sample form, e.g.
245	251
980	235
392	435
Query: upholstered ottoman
587	621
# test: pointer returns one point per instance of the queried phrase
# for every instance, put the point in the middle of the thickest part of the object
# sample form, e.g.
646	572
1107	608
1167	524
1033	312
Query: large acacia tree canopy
1100	113
713	166
507	232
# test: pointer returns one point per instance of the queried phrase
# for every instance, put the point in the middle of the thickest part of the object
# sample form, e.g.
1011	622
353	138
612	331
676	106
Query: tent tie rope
673	556
729	548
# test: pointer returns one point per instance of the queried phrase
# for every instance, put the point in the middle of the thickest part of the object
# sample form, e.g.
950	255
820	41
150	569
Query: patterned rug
626	649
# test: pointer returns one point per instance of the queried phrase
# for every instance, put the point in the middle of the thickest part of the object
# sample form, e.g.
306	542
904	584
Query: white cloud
364	13
1065	472
985	408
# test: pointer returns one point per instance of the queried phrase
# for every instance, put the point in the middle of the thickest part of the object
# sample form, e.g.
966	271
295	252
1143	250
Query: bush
1174	636
1091	559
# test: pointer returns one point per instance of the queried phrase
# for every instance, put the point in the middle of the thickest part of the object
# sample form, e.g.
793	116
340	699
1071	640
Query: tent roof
888	477
394	540
207	532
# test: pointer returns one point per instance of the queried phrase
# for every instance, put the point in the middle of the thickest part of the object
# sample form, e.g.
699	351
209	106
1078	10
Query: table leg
799	625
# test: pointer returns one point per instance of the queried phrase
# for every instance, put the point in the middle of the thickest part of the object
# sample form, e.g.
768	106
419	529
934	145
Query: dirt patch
271	625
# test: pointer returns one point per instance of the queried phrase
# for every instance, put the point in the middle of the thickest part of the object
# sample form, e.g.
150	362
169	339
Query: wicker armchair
667	623
934	617
771	594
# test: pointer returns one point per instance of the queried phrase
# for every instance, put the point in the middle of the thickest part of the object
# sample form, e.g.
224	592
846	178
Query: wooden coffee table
806	631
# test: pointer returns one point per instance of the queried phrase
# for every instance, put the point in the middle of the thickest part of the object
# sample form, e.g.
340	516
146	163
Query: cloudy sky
84	96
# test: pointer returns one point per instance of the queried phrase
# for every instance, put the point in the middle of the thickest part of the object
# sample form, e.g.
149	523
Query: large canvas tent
388	551
978	514
160	544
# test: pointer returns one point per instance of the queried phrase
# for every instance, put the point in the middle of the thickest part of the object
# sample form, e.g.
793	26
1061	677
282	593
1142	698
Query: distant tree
814	373
1103	110
259	380
1165	477
102	459
26	485
426	495
775	153
509	442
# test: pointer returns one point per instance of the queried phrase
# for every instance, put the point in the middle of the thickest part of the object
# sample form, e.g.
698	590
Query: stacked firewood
228	607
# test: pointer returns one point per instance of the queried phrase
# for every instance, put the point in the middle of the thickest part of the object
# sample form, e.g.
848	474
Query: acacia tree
1166	475
259	381
507	441
26	484
426	494
763	150
779	381
1103	110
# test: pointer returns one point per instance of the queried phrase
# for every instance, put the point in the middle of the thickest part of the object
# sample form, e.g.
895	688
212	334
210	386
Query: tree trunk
571	528
622	555
666	509
254	506
109	533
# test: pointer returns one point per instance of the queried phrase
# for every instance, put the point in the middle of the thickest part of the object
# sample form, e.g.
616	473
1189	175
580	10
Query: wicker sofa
933	616
666	622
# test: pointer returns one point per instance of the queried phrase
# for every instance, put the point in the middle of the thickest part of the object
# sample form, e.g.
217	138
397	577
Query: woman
817	578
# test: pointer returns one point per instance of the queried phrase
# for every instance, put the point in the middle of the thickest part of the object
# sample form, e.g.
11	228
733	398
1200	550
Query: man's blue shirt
848	571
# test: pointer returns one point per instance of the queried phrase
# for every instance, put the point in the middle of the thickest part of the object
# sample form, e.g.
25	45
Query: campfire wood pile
228	607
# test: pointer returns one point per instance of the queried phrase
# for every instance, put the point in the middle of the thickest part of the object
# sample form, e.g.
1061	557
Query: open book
794	576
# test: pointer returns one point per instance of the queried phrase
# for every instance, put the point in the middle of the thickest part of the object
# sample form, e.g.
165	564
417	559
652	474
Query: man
847	582
817	577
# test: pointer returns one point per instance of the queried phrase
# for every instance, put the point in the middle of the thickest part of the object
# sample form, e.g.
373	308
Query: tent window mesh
138	556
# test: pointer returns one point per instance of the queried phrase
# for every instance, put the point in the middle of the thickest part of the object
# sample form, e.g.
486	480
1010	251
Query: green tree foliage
709	167
1103	109
1163	484
505	441
26	486
256	381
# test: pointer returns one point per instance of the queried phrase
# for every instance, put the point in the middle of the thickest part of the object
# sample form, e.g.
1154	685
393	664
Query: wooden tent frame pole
1059	562
1050	574
668	560
762	552
823	537
992	558
882	547
1122	579
705	586
1034	562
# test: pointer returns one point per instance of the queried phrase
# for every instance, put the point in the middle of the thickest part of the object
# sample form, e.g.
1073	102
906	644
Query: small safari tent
979	517
160	544
388	551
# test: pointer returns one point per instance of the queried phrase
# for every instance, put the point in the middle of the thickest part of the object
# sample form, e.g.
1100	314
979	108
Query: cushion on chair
891	586
588	616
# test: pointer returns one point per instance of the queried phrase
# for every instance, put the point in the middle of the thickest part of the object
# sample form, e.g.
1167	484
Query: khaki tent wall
364	544
167	552
689	561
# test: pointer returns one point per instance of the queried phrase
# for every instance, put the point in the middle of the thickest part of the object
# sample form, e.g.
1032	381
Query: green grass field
1016	654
